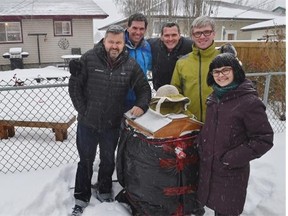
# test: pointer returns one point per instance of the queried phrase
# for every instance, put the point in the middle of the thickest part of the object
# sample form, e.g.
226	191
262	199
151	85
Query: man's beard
114	53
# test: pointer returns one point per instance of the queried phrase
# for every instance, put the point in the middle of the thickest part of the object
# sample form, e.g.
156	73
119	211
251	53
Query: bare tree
193	8
259	4
171	10
129	7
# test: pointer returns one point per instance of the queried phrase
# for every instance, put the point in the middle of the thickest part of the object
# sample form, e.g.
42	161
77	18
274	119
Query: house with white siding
271	30
46	29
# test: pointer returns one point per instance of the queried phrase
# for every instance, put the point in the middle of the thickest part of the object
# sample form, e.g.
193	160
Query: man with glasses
98	86
190	72
166	50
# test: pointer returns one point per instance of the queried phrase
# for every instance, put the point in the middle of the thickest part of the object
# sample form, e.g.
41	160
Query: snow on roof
230	10
50	8
279	21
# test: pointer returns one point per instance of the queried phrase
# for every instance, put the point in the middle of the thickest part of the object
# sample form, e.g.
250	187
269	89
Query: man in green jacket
190	72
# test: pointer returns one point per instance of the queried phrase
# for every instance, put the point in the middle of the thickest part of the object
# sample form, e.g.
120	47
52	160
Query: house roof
234	11
279	8
279	21
217	10
11	9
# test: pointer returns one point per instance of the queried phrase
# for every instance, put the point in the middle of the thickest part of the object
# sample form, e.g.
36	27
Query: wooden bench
7	127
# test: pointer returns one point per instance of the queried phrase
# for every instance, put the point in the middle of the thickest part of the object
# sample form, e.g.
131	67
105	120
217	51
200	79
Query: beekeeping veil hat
168	100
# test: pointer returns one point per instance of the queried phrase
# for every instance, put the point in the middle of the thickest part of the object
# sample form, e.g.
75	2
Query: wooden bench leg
60	134
11	131
3	132
64	134
6	131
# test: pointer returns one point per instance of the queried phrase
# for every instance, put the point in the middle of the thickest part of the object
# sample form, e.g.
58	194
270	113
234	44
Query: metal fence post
266	90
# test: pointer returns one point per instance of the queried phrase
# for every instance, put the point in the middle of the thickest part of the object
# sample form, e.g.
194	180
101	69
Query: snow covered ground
49	192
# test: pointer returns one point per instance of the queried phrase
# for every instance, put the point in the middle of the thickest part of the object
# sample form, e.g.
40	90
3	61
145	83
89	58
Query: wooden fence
260	56
270	58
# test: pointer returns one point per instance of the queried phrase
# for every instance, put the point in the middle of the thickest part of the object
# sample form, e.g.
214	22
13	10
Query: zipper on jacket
200	85
144	62
215	133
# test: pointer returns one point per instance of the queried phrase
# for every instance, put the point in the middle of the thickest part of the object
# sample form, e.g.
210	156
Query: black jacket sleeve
76	85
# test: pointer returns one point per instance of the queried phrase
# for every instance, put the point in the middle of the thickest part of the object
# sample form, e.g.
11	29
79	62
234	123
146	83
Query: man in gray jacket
98	87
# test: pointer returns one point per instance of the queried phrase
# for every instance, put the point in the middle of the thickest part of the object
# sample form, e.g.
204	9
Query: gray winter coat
236	131
99	90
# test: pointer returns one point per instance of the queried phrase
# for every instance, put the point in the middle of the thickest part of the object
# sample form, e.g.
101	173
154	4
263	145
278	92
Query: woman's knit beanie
226	59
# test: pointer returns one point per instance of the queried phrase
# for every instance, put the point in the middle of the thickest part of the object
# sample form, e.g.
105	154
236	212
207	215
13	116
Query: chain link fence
271	89
38	124
46	131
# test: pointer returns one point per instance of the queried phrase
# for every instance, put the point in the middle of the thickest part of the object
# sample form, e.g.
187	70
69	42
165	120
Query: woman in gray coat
236	131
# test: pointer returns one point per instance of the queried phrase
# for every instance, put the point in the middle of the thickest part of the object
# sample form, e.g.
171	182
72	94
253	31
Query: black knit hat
226	59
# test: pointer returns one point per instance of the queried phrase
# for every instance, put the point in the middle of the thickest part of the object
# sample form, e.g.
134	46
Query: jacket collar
207	52
245	87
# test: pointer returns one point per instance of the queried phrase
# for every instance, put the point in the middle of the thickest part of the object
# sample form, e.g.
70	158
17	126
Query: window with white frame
231	35
62	28
10	32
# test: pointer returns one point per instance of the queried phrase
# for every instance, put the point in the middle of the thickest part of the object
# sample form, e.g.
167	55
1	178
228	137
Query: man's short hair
203	21
137	17
114	29
169	25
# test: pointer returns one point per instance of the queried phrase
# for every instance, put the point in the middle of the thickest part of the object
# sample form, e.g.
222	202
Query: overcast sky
109	7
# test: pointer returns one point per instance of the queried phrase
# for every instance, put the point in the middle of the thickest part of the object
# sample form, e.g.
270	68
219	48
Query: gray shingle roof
50	8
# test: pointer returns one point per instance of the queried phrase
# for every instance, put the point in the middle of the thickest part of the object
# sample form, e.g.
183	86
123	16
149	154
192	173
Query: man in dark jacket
98	86
166	50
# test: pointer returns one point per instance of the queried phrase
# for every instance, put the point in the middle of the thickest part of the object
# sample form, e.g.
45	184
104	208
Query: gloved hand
75	67
228	48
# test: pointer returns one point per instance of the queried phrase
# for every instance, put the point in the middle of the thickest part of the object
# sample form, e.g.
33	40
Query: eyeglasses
205	33
224	71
